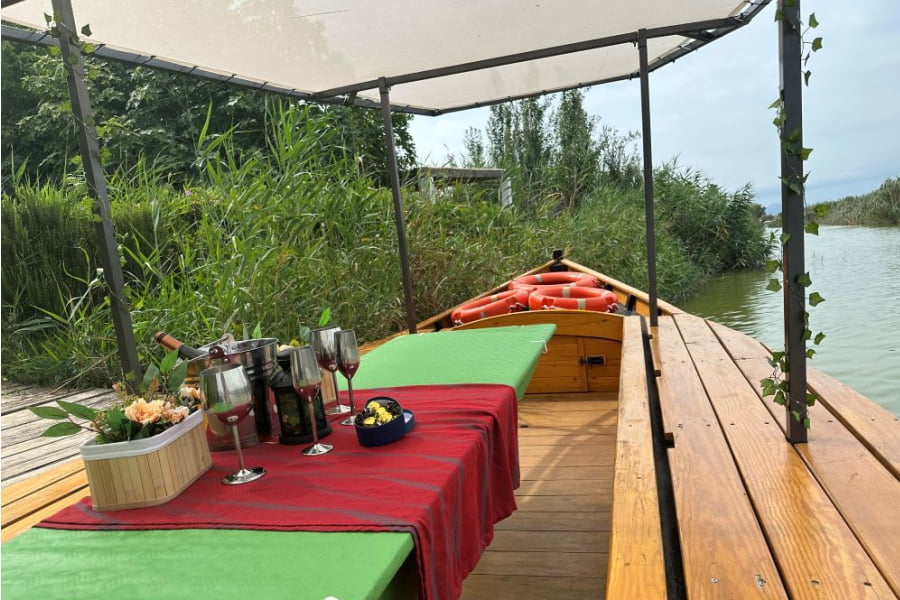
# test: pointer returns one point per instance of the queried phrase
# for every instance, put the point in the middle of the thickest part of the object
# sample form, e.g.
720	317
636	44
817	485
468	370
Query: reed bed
264	244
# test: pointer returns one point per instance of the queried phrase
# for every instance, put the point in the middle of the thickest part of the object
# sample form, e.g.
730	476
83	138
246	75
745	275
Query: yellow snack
369	421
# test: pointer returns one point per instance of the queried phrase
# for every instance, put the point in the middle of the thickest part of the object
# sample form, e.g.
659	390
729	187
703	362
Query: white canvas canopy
435	56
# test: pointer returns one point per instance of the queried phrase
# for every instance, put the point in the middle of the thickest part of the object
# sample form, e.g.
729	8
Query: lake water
857	270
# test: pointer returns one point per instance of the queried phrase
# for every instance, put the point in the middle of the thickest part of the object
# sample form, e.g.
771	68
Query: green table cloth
506	355
238	564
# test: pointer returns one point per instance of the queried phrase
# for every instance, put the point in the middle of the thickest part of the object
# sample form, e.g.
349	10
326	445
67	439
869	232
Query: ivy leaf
773	265
61	429
812	227
810	353
807	334
815	299
804	279
806	423
785	237
813	22
86	30
49	412
774	285
811	398
776	104
818	339
778	355
325	317
817	44
804	153
821	209
779	398
79	410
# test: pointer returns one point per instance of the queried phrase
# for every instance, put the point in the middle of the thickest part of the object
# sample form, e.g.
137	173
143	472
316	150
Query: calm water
857	270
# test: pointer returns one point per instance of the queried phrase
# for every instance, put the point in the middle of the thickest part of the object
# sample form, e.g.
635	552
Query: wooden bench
636	567
757	516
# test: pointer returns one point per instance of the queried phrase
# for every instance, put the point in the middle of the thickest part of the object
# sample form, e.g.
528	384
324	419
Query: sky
710	110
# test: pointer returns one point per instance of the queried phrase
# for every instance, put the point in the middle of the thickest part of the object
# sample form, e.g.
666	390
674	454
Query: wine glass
323	346
306	378
228	397
347	362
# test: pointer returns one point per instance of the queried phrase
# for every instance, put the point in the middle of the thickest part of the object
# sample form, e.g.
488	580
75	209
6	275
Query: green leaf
785	237
807	334
79	410
177	375
804	153
817	44
795	136
776	104
774	285
811	398
812	227
49	412
816	298
821	209
778	355
779	398
804	279
818	339
168	361
768	387
806	76
806	423
779	15
86	30
150	375
773	265
325	317
72	59
810	353
813	22
61	429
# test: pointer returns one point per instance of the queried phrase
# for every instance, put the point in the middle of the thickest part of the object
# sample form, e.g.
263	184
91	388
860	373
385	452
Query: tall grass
271	240
880	207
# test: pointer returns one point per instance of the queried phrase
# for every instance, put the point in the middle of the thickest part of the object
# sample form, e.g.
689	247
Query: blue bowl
393	430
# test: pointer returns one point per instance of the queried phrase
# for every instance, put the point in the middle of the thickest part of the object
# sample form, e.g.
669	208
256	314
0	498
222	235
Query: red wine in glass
347	350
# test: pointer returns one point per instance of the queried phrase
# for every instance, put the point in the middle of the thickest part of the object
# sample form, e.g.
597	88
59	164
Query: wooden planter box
147	472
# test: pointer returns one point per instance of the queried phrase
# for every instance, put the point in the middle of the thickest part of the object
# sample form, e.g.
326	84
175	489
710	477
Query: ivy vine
776	385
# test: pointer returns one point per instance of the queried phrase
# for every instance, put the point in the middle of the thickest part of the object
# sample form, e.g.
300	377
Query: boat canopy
435	56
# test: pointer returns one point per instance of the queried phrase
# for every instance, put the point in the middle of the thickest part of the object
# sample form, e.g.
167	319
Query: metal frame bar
394	174
702	32
648	179
93	170
790	54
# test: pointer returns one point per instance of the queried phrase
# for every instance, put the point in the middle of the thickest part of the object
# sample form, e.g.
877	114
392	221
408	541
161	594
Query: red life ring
491	306
573	297
555	278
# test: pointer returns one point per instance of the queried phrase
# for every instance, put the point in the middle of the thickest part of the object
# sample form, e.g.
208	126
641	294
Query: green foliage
273	239
878	208
143	114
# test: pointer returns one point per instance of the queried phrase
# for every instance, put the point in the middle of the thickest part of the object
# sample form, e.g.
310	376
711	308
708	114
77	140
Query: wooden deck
734	511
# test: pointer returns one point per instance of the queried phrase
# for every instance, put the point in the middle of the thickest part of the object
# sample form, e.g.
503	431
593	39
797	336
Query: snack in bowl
382	421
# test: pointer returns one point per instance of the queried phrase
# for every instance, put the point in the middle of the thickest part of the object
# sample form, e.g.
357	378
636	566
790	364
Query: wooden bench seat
31	500
636	567
801	497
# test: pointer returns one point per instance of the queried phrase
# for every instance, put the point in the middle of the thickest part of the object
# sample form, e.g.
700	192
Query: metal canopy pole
394	174
648	177
93	171
790	50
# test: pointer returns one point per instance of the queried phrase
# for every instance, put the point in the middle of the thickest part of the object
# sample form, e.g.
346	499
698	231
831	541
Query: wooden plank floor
23	452
555	544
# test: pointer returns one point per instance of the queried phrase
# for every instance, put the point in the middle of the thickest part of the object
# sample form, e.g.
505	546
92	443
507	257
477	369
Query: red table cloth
446	482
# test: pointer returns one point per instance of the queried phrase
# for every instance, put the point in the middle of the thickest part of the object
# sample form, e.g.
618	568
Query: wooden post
792	208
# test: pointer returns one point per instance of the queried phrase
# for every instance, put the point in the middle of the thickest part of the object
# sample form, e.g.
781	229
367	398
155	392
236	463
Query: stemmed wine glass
306	378
323	346
347	363
228	396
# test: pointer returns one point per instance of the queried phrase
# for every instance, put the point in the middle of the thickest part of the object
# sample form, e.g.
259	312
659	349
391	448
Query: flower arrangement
163	404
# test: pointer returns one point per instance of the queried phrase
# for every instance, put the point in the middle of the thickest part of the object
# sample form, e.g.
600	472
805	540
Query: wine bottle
171	343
